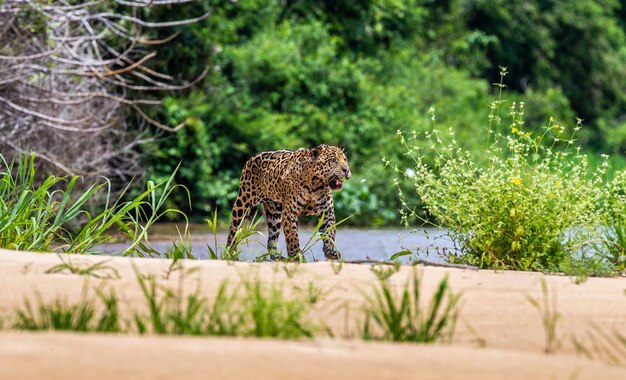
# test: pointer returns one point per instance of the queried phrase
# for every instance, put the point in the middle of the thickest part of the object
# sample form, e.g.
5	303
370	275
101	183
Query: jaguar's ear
341	147
315	152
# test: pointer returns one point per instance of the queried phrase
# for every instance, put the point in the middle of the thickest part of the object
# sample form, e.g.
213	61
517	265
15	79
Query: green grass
273	314
253	309
170	312
547	309
612	244
60	314
402	318
245	231
581	267
97	270
35	214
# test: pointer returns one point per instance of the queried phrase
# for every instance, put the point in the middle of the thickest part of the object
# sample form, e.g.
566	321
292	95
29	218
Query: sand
499	333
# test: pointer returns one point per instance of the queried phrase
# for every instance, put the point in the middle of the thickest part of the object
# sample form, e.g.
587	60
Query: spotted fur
289	184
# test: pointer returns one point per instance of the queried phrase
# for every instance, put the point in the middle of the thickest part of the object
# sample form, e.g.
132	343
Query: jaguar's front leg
328	231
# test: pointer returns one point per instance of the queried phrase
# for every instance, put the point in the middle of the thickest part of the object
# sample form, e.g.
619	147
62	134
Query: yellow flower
557	183
514	130
516	181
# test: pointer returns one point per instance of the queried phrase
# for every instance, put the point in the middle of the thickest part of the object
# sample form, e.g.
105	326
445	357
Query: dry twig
66	72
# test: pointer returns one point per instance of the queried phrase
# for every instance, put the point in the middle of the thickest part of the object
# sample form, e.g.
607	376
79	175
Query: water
353	243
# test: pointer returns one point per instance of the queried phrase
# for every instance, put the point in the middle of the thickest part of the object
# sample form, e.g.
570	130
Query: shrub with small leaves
525	209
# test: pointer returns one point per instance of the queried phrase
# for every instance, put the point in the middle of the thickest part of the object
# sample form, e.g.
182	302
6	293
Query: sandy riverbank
499	333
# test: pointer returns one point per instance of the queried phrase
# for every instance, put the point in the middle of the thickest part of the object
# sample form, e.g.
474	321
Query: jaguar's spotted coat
289	184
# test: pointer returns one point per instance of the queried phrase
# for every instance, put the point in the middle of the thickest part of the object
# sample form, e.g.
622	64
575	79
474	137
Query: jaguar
290	184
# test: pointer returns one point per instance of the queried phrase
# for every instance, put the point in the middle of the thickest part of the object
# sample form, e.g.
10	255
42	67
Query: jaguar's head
331	164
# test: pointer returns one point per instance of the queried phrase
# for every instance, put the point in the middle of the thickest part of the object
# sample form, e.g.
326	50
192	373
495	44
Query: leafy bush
525	209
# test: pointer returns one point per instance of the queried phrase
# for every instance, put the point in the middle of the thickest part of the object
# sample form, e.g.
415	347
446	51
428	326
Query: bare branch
156	123
141	22
161	41
66	72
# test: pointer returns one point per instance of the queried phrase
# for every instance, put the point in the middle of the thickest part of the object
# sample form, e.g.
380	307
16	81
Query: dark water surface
353	243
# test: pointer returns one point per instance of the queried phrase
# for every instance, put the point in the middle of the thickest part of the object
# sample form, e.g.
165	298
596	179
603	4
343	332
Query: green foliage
244	232
401	317
298	74
81	316
34	217
143	212
524	209
584	266
576	46
318	236
171	311
213	249
272	314
254	310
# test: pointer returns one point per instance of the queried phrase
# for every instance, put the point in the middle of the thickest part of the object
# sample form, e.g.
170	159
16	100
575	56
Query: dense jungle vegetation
289	74
286	74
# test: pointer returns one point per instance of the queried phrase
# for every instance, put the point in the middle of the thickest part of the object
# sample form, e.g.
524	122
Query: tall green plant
33	216
133	218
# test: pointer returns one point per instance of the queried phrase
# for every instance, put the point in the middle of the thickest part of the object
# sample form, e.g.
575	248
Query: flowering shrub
525	209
